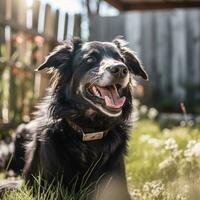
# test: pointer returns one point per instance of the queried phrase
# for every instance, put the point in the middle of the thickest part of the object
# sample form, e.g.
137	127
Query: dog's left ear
61	55
130	59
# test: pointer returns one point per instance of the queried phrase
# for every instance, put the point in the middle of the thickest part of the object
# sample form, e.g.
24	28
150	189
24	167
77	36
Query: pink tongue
111	97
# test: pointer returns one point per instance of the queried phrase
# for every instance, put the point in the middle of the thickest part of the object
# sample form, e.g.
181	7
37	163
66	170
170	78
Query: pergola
127	5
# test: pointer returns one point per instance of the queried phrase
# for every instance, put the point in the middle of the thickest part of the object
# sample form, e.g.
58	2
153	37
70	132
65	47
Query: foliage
161	164
42	191
164	164
16	84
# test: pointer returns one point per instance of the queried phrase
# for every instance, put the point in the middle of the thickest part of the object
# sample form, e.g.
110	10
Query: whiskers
94	79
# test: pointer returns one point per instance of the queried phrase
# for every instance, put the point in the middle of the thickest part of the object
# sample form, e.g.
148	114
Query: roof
127	5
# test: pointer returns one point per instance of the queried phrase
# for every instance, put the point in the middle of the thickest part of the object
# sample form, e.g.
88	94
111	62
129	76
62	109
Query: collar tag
92	136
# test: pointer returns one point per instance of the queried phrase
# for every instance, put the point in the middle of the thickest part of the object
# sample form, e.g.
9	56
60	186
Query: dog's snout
118	70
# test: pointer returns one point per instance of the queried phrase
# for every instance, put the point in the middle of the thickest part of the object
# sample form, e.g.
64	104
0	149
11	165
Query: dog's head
94	76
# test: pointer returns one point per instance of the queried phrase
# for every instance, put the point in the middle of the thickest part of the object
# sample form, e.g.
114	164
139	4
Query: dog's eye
91	59
118	57
121	59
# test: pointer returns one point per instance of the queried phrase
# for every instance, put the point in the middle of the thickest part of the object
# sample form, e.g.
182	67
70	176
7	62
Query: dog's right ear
131	59
61	55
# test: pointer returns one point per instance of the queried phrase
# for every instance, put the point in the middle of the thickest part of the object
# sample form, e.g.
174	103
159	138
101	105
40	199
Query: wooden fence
27	34
168	43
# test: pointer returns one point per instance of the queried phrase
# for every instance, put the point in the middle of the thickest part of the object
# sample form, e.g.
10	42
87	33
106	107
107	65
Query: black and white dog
84	119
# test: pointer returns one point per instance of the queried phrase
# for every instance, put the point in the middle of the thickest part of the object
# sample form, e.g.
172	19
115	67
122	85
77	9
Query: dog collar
89	136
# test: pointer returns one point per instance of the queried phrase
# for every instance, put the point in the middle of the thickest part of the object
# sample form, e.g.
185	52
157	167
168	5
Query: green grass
43	193
142	160
145	155
159	155
157	166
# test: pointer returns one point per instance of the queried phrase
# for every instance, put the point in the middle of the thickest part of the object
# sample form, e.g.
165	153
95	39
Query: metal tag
92	136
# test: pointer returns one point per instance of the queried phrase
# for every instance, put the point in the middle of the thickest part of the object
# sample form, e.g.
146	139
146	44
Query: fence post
36	8
179	54
2	9
77	25
66	28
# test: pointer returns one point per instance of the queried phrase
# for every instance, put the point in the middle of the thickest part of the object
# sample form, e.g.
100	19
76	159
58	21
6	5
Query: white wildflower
153	113
182	123
170	144
155	142
136	103
167	164
145	138
192	151
143	110
155	188
181	197
188	155
191	143
147	187
177	154
196	149
190	123
136	193
166	131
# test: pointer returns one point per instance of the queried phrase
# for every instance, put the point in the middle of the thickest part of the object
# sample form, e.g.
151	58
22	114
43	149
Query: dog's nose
118	70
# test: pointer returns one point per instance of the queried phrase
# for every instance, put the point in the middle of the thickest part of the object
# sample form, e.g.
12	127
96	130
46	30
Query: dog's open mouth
107	96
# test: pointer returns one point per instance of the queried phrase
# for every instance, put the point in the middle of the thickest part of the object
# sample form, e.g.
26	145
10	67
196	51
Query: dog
82	124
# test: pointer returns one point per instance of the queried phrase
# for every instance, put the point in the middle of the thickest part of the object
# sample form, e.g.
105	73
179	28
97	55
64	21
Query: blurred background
166	37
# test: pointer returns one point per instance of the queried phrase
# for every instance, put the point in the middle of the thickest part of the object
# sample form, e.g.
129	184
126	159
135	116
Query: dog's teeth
96	92
94	89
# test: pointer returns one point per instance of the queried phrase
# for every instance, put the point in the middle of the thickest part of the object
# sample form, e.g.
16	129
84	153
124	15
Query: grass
146	148
161	158
162	164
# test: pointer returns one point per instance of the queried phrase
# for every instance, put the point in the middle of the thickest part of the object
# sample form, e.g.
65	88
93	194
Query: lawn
162	164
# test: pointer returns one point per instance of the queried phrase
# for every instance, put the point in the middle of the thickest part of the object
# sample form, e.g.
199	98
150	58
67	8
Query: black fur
55	149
